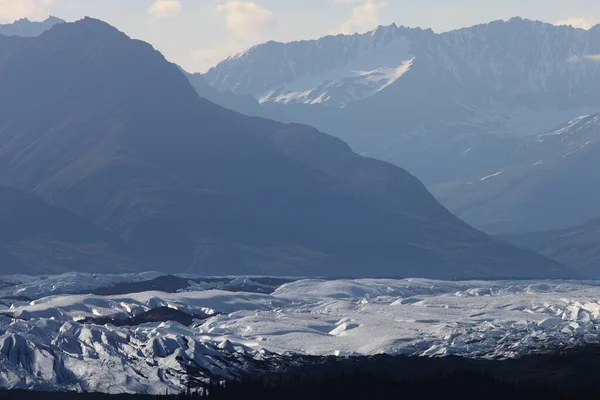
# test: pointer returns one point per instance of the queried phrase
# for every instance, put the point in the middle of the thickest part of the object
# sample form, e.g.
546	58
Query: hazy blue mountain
38	238
108	129
417	98
244	104
27	28
546	182
578	248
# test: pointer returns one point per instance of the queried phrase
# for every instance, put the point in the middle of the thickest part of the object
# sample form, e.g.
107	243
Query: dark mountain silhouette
578	247
102	125
38	238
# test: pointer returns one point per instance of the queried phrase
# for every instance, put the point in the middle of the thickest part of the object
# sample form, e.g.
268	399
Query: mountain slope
548	183
27	28
37	238
244	104
195	187
578	247
408	95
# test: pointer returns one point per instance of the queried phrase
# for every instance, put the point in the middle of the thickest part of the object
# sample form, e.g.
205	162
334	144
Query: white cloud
592	57
246	24
165	9
246	20
365	15
11	10
585	57
577	22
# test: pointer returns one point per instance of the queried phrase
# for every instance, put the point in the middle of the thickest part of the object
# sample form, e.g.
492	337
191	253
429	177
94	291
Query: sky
197	34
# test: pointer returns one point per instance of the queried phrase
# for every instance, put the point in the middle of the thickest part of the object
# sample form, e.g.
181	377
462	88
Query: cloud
165	9
577	22
592	57
246	24
585	57
246	20
365	15
11	10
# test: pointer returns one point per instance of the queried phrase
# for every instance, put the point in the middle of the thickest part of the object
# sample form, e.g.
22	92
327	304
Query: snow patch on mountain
375	65
485	178
567	127
356	85
349	68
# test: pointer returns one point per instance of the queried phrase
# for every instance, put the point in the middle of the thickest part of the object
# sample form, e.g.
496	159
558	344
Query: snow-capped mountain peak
514	64
334	70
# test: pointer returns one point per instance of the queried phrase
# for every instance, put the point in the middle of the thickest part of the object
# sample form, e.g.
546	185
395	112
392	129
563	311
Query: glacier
47	341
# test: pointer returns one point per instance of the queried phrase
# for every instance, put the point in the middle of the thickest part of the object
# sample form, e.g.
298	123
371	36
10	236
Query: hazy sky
199	33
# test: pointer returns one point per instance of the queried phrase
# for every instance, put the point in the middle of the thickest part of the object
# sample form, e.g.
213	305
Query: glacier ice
45	345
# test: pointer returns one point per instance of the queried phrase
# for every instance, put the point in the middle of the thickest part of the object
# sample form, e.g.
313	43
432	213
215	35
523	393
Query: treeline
358	385
570	375
457	385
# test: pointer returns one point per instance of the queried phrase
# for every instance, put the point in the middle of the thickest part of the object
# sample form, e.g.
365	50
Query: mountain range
27	28
490	78
452	108
109	130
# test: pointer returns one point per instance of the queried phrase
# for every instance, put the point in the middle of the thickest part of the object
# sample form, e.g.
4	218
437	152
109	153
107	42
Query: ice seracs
47	345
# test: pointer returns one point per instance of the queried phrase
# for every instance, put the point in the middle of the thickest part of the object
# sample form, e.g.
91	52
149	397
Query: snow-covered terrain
47	343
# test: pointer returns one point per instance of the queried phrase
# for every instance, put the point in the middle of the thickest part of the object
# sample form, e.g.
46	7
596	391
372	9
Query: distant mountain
108	129
37	238
27	28
417	98
578	248
244	104
543	182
